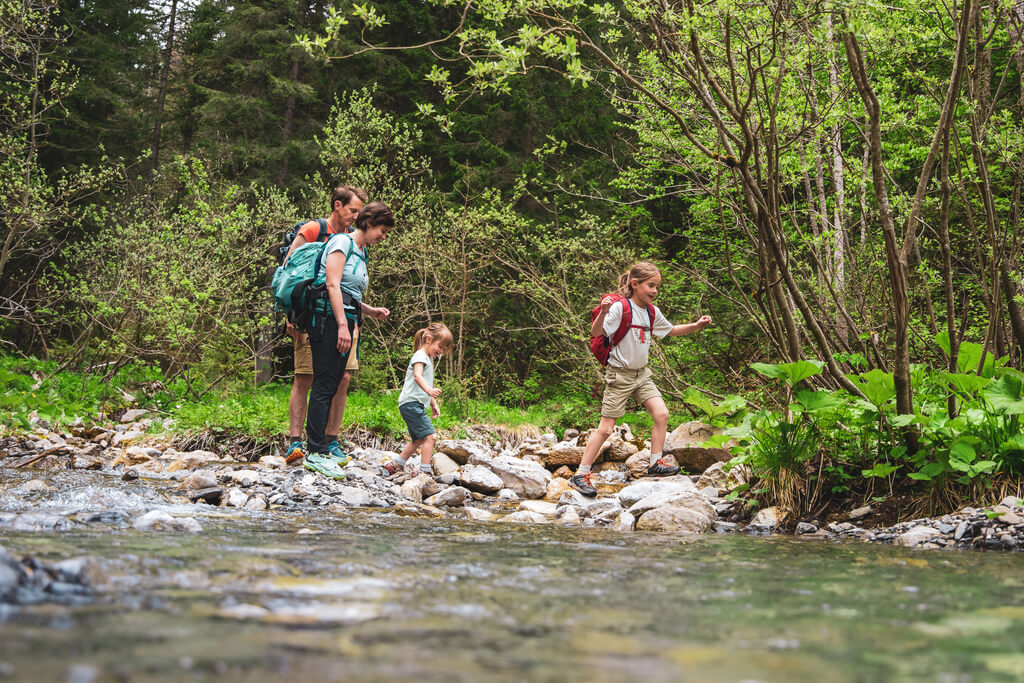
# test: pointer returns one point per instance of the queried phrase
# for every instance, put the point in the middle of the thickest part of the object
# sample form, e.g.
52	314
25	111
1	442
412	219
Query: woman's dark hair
375	213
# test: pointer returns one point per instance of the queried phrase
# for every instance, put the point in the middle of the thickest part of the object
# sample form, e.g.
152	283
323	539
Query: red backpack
601	346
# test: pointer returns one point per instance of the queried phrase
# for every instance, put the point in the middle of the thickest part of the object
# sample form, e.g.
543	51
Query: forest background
837	183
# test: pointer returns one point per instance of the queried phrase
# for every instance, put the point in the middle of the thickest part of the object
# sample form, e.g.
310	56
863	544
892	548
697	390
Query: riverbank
497	475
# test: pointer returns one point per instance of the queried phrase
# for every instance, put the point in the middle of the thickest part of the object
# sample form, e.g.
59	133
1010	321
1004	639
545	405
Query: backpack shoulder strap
650	316
625	322
324	228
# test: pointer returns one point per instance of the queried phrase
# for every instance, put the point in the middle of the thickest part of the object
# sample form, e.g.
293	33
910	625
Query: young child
627	373
419	393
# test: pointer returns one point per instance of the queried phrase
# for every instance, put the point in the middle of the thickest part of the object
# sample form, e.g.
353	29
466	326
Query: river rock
245	478
125	437
717	476
646	487
563	472
257	503
86	462
570	517
453	496
234	498
355	497
413	489
573	497
556	487
916	536
619	450
133	415
860	512
507	494
1011	502
686	500
527	479
210	495
805	528
770	517
638	462
272	462
624	522
464	451
1007	515
202	479
686	441
674	518
479	478
524	517
408	509
160	520
33	486
442	464
40	521
539	506
563	454
477	515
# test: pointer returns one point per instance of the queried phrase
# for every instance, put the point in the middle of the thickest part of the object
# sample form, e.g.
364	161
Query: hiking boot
583	484
662	468
296	451
324	464
392	467
336	452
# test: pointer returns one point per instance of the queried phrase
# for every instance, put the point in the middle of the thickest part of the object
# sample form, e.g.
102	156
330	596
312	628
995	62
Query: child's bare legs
581	480
410	449
659	415
426	448
426	452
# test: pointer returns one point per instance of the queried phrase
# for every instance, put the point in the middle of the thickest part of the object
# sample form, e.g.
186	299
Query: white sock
655	457
583	469
425	467
401	461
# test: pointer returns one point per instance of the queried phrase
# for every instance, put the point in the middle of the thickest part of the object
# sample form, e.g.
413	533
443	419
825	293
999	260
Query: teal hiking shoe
324	464
296	451
336	452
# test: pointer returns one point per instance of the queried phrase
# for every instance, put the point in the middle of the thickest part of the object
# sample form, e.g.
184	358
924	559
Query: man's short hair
344	194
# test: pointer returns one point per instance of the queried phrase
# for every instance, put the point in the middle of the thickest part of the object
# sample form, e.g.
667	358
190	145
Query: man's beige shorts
304	354
620	384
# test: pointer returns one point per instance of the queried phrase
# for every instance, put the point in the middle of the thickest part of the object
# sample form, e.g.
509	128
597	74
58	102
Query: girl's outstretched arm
689	328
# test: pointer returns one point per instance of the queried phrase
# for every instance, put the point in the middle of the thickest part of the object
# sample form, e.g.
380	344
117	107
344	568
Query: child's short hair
431	333
644	270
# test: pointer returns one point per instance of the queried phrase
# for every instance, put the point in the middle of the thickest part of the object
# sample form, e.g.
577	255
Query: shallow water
373	597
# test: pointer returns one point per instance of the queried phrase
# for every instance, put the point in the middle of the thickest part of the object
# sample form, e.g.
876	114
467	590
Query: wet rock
539	506
33	486
203	479
133	415
413	489
674	518
860	512
646	487
524	517
108	517
454	496
477	515
563	454
193	460
805	528
507	494
961	530
556	488
210	495
125	437
1008	541
527	479
725	527
130	475
758	530
685	443
41	521
245	478
601	506
661	498
770	517
161	520
257	503
442	464
563	472
464	451
624	522
482	479
273	462
1007	516
573	497
570	517
916	536
234	498
410	509
638	462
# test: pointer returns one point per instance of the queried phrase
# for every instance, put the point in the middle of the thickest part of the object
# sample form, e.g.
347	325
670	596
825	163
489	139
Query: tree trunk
161	97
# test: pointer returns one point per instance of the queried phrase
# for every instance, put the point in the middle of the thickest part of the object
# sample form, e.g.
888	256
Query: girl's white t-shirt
631	353
412	392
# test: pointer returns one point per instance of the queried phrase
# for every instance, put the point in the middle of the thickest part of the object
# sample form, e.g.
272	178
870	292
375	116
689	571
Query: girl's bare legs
597	439
659	414
410	448
427	451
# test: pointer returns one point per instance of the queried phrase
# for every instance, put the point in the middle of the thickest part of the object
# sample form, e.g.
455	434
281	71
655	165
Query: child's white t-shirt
412	392
631	352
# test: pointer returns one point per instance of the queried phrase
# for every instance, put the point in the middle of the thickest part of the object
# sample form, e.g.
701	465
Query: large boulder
443	464
563	453
524	517
453	496
528	479
669	499
645	487
479	478
686	441
463	450
716	477
638	462
674	518
556	488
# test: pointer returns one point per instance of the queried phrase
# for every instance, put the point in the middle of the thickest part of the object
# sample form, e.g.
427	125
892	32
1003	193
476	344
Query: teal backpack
299	286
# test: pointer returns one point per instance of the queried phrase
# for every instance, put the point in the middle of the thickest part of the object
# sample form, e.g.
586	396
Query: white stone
273	462
624	522
768	516
453	496
443	464
524	517
479	478
464	451
477	515
645	487
507	494
916	536
133	415
570	517
245	478
160	520
528	479
352	496
234	498
200	479
413	489
539	506
674	518
258	503
717	477
668	499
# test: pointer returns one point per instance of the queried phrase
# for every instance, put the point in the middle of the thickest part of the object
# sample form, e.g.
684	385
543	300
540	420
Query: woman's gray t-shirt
355	278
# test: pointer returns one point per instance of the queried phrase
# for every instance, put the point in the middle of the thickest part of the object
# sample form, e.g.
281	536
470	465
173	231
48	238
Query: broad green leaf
903	420
880	470
791	373
717	441
1006	395
981	467
942	339
878	386
961	455
815	401
1014	443
968	357
966	383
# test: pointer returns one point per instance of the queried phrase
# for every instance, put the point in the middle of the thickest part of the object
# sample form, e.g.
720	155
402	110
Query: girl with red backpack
620	336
